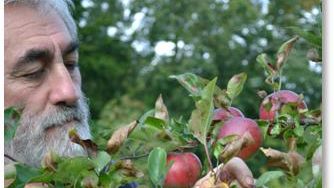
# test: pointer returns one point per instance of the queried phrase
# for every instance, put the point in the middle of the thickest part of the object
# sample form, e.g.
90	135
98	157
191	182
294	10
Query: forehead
26	28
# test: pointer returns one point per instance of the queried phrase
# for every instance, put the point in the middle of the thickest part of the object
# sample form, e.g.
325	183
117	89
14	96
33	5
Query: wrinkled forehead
44	8
25	23
26	32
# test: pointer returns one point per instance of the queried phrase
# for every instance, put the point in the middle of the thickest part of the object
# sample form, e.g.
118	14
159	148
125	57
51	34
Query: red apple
222	114
184	172
276	100
240	126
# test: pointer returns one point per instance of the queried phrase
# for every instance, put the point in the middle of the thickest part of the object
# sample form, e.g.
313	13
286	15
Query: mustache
62	114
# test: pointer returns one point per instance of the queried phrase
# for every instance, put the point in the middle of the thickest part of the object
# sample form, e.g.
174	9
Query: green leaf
157	166
300	183
155	122
276	130
264	125
235	85
299	131
289	108
288	134
46	177
71	169
201	117
145	115
268	176
11	118
312	134
101	160
24	174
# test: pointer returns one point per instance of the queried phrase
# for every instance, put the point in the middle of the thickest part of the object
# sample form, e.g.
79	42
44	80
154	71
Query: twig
134	157
11	158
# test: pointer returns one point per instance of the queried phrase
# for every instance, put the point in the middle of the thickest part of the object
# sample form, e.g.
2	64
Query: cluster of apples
186	168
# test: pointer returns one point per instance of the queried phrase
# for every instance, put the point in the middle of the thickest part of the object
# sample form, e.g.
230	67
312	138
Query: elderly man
42	79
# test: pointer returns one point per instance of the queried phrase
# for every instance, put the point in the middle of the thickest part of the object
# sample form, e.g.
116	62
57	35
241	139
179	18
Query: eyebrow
74	45
31	56
41	53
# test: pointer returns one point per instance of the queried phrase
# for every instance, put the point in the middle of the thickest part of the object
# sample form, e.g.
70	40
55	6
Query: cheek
12	95
23	96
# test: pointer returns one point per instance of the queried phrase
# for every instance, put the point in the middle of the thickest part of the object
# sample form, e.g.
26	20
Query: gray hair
62	7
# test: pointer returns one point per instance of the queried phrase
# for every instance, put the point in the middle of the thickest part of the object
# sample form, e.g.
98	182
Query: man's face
42	78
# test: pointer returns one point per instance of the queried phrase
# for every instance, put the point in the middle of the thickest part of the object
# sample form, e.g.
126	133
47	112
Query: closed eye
71	66
36	75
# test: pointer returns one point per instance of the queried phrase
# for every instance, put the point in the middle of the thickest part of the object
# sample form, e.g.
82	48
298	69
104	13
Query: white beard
39	134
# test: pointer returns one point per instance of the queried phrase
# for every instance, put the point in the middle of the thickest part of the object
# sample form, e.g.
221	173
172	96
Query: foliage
208	42
138	152
211	38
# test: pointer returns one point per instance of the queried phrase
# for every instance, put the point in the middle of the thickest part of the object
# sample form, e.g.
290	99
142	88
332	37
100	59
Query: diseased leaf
291	162
262	94
195	85
264	61
87	144
233	147
127	168
210	179
90	180
191	82
201	117
235	85
313	55
283	52
157	166
161	111
267	177
11	120
119	136
50	161
221	143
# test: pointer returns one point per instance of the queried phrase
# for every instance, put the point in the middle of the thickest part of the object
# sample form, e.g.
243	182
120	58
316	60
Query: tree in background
121	41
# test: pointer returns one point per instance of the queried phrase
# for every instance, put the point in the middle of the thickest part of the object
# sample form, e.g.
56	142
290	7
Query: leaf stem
208	157
280	80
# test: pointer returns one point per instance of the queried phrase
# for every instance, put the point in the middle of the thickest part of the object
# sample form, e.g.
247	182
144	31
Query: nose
64	89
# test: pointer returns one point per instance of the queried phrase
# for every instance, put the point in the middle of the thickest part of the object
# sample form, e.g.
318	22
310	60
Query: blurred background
129	48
